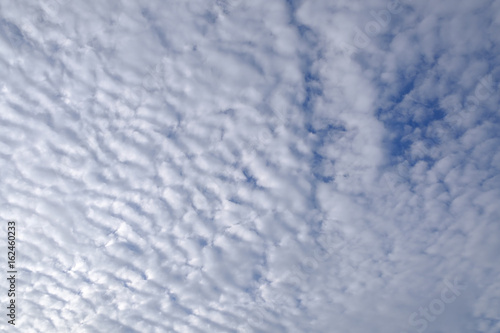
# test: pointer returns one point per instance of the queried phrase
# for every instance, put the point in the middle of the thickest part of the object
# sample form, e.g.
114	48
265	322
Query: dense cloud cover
252	166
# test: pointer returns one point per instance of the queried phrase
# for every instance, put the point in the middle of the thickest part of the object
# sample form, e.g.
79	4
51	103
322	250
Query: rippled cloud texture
252	166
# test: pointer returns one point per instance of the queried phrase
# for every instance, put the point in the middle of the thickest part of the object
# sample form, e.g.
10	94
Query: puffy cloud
294	166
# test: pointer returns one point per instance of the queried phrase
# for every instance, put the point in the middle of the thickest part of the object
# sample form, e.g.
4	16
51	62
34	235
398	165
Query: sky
251	166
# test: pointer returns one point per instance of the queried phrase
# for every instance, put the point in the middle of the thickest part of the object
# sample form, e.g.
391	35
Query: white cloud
294	166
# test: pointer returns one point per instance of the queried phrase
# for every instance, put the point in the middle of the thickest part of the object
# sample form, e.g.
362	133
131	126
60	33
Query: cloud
295	166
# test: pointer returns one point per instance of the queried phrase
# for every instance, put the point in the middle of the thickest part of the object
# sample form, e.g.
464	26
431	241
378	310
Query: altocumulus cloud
234	166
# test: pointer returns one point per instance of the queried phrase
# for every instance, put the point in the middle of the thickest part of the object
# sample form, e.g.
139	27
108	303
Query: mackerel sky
313	166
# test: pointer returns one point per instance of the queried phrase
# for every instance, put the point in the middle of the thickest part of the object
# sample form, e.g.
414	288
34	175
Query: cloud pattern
232	166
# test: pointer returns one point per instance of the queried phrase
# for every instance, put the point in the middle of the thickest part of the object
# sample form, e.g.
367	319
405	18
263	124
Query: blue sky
263	166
